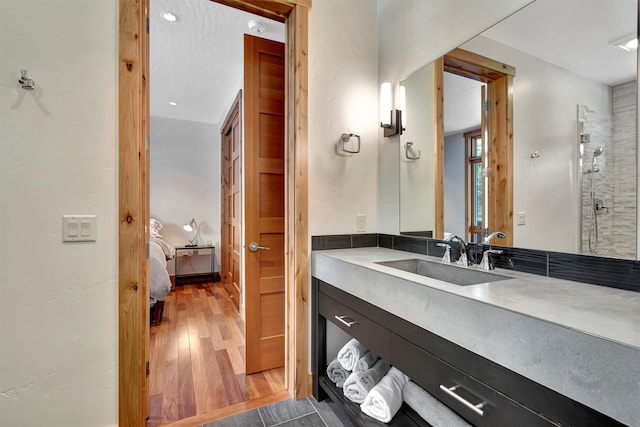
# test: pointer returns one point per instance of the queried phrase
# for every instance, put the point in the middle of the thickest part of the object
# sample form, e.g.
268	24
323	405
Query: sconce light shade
402	106
385	104
192	225
390	119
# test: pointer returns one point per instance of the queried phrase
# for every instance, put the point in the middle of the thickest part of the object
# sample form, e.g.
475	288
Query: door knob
253	247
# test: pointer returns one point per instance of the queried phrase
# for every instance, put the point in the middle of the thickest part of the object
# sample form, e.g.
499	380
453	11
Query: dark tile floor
288	413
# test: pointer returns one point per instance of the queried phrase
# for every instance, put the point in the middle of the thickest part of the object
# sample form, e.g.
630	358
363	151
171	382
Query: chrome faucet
490	237
463	249
486	263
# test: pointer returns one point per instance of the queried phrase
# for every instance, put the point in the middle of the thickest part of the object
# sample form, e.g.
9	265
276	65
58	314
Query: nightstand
194	251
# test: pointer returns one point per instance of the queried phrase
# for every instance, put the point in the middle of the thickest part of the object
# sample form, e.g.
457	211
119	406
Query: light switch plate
520	218
361	223
79	228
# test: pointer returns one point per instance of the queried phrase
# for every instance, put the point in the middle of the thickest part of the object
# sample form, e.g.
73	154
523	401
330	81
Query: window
475	152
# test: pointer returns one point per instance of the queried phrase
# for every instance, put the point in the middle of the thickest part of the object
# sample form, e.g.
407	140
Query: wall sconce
192	225
390	118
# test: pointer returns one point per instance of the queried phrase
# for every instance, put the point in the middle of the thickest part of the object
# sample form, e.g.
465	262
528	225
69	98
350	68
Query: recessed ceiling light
173	103
628	43
169	16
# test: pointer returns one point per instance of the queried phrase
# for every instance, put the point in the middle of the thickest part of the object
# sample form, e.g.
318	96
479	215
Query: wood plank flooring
198	361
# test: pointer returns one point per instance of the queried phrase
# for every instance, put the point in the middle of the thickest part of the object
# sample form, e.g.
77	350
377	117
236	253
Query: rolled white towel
358	384
337	373
350	353
385	399
365	362
429	408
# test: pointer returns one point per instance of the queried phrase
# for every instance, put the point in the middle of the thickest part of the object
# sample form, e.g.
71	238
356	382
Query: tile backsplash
611	272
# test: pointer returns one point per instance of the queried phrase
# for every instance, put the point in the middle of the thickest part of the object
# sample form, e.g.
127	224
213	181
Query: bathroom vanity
512	349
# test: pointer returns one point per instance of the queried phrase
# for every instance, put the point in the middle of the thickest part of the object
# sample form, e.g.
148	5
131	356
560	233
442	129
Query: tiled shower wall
624	169
615	183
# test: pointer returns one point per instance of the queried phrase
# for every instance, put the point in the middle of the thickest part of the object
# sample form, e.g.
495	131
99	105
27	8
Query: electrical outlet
520	218
361	223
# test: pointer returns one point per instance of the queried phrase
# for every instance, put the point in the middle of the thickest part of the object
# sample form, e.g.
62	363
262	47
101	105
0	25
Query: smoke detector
256	27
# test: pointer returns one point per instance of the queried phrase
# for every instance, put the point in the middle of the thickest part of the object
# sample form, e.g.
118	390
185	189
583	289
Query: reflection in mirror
417	178
574	93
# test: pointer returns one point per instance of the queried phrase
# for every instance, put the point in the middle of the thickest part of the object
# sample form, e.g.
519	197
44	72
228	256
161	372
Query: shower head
598	151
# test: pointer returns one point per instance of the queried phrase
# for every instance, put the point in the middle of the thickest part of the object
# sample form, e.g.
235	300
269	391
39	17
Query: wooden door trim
494	73
477	67
296	203
133	215
438	138
236	104
133	315
277	10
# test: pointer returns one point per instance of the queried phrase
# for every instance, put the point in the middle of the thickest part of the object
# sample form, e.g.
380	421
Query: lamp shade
188	226
192	225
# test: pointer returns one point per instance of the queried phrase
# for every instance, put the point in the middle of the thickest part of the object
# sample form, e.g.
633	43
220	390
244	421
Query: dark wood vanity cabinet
479	390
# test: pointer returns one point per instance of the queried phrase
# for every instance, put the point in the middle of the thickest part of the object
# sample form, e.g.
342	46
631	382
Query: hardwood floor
198	361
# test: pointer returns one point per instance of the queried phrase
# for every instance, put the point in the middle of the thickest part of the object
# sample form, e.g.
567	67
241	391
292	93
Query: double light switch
79	228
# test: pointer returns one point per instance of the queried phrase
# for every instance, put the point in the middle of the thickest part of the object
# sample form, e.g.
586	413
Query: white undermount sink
456	275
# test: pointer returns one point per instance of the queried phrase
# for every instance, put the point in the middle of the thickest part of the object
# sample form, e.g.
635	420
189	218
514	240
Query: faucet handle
463	260
486	263
446	258
492	251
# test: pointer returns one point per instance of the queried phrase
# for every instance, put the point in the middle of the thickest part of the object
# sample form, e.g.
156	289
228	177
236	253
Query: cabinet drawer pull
451	392
348	322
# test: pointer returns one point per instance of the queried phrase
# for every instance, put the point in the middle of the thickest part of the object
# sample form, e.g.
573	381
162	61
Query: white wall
417	177
185	183
343	98
455	163
545	100
58	155
413	33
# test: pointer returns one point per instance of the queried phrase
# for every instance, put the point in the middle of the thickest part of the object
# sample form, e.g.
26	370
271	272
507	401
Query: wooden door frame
478	67
133	213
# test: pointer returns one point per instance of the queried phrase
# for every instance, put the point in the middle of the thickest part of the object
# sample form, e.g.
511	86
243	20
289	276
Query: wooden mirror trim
133	209
499	77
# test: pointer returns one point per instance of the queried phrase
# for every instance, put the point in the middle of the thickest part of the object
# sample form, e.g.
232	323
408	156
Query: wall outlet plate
520	218
361	223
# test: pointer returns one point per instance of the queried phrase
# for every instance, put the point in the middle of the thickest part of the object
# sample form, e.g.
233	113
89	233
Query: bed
159	282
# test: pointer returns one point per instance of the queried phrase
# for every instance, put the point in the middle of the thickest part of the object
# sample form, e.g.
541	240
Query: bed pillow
154	228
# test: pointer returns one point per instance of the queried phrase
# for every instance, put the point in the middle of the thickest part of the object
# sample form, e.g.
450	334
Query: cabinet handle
347	322
451	392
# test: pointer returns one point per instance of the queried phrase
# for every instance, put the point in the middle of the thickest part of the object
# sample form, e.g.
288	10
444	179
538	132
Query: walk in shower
608	151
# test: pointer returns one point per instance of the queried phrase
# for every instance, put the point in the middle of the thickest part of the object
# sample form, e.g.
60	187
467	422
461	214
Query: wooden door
231	197
264	84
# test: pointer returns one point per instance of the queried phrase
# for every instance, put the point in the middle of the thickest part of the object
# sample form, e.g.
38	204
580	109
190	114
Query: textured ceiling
197	61
461	104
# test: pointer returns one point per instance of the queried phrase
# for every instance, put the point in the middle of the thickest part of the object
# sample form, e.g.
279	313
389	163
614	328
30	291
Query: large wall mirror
573	165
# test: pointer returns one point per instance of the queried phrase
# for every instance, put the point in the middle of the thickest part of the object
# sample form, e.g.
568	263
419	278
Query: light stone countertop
579	339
